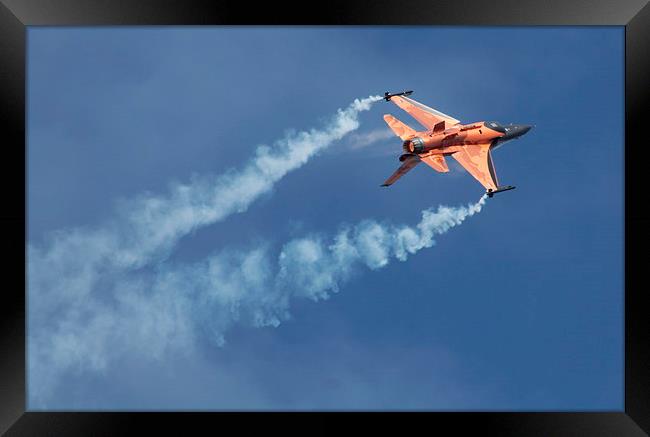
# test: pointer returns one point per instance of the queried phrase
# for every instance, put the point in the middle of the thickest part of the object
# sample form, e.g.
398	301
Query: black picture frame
16	15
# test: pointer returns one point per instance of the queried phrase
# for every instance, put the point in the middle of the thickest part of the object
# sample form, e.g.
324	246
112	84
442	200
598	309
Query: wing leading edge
477	160
426	116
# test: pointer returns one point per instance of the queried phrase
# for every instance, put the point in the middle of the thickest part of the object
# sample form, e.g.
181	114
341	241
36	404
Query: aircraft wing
410	162
427	117
436	162
477	160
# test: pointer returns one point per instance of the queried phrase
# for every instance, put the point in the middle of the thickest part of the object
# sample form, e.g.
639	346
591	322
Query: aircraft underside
470	144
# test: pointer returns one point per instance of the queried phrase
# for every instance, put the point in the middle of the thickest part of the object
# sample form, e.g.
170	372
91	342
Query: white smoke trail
74	262
311	268
157	223
148	316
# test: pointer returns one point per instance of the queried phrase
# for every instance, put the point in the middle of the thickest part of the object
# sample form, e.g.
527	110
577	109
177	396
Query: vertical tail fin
401	130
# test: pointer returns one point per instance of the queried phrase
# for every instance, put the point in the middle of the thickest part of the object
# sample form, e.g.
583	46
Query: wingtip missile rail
491	193
388	95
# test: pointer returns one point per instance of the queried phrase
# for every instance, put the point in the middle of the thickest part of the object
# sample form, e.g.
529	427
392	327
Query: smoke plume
71	263
74	305
150	314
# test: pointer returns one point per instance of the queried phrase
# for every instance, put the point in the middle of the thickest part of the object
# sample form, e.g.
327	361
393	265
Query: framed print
225	213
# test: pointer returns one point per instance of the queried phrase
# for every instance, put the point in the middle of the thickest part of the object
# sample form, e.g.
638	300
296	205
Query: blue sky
519	308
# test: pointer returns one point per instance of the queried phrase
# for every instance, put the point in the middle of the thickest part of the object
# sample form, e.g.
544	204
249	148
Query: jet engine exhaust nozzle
414	145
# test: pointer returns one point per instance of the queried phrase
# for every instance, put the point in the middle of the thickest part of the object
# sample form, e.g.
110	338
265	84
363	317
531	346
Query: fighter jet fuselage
446	142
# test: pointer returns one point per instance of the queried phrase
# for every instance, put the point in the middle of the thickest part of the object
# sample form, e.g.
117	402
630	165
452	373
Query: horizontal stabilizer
409	162
400	129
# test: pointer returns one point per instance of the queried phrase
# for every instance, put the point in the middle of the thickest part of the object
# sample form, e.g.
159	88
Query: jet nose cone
517	130
512	131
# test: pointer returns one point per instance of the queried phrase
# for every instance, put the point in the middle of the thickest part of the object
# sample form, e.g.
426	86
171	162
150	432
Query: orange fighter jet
470	144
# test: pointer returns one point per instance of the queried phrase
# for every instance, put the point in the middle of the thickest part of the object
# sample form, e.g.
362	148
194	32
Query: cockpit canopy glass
495	126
